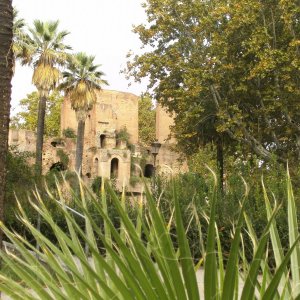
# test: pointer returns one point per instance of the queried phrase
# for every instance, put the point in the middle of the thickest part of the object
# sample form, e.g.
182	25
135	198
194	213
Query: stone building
106	152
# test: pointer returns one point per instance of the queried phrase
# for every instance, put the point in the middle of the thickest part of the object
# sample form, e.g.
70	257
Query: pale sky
98	27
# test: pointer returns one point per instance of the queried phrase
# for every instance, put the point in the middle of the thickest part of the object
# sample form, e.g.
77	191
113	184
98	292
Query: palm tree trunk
6	63
40	133
79	145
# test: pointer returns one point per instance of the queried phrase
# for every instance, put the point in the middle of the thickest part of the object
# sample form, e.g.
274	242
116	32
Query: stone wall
112	112
103	154
24	140
168	159
164	121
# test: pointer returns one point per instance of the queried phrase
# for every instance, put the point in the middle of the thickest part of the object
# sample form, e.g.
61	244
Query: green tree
6	67
20	38
82	81
19	183
46	52
27	117
226	68
146	120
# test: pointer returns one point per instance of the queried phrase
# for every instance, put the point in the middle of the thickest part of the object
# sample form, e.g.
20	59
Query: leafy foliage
82	80
96	184
123	134
27	117
20	36
20	180
146	120
63	156
74	265
69	133
45	51
229	69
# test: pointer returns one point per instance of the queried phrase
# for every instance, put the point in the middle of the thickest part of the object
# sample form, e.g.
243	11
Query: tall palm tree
6	63
82	81
46	52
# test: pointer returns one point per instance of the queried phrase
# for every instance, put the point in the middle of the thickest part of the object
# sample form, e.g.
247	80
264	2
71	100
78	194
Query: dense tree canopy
27	117
146	120
228	68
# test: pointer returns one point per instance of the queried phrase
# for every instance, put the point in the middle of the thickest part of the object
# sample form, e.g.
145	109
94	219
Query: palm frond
82	80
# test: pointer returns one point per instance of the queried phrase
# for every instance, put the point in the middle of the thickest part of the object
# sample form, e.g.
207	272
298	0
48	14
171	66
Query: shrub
96	184
69	133
145	246
123	134
134	180
63	156
194	191
20	180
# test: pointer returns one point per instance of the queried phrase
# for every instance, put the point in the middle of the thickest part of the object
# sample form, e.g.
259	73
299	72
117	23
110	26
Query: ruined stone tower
104	154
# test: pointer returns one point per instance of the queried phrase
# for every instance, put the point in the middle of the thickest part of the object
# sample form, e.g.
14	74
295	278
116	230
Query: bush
96	184
108	259
194	191
20	181
134	180
63	156
123	135
69	133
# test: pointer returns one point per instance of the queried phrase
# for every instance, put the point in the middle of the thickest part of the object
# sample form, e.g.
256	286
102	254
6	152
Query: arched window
149	171
102	141
114	168
96	166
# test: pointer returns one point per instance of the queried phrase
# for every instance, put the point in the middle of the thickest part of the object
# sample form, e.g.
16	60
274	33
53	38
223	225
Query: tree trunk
40	133
6	67
79	145
220	163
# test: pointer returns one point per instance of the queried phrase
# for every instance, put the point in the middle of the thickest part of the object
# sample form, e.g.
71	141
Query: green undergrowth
94	256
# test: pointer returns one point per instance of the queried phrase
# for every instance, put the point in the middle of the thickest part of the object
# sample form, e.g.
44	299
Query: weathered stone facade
112	112
104	154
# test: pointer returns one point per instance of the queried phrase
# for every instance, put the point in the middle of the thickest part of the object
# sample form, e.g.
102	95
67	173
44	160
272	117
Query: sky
98	27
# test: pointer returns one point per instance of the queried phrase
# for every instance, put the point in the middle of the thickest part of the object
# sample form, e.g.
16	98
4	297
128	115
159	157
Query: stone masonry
104	155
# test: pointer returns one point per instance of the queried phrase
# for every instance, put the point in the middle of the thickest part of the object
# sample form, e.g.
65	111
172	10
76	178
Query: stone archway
102	141
149	171
114	168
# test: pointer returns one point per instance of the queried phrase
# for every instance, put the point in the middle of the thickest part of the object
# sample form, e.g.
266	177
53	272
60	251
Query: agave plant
139	259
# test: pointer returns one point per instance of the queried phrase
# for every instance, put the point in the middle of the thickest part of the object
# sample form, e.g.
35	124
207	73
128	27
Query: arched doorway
114	168
102	141
96	166
149	171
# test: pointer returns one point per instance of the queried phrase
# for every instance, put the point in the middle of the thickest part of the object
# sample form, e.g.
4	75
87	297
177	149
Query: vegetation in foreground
75	267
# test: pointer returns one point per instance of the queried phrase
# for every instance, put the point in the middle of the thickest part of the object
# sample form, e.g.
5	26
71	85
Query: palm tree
82	81
6	63
46	52
20	38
